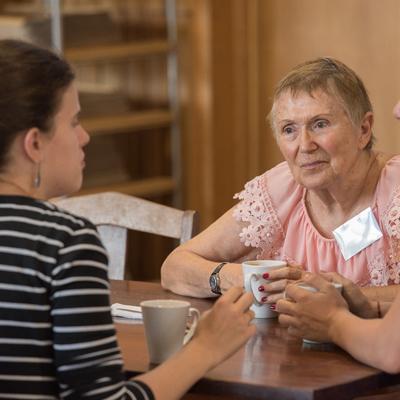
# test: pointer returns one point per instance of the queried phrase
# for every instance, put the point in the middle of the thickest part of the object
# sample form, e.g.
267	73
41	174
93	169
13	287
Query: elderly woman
354	324
333	205
56	331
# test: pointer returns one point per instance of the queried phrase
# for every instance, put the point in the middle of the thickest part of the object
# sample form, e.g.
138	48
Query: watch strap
215	288
218	267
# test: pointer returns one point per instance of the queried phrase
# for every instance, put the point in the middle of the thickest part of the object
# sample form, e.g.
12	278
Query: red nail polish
266	275
261	288
264	299
272	307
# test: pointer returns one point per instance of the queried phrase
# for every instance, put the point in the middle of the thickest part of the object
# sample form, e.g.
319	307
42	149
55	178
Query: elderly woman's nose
306	140
396	110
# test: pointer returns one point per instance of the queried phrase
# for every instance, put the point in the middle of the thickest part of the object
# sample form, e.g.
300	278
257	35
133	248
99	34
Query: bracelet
378	308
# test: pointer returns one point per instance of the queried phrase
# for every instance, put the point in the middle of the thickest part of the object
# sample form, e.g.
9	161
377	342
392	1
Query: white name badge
357	233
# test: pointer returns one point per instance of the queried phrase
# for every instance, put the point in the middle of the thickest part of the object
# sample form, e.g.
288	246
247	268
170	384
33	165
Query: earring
37	180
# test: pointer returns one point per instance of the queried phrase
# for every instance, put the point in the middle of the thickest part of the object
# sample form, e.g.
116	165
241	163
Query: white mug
165	324
253	277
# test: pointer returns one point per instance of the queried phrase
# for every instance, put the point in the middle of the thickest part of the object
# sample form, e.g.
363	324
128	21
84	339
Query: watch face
214	283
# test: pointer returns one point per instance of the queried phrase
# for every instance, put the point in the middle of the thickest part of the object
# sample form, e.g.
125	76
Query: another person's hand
358	303
280	278
311	314
227	326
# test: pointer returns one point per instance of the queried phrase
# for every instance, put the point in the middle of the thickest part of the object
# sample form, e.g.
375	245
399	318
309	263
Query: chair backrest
114	213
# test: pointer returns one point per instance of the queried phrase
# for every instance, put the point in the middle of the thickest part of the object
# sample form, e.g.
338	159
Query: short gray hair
334	78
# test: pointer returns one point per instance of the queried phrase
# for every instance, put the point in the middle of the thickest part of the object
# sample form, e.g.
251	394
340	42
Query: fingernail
264	299
261	288
272	306
266	275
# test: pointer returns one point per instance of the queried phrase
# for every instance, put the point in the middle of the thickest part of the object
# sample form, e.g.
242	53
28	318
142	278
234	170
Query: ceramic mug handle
254	277
195	314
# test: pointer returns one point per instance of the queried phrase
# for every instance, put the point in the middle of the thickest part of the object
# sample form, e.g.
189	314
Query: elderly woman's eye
287	130
321	124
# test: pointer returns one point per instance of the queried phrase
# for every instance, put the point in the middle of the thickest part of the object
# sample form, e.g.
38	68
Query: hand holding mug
278	280
311	314
359	304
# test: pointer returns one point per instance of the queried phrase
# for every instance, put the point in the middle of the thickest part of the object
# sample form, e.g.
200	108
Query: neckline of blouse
373	202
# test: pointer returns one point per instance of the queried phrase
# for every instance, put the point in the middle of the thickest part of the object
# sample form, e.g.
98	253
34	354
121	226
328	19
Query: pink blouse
279	226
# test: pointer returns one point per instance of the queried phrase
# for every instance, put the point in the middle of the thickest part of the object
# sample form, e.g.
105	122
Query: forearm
382	293
188	268
174	377
187	273
369	341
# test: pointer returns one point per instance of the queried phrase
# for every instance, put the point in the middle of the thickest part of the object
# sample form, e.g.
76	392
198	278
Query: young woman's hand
227	326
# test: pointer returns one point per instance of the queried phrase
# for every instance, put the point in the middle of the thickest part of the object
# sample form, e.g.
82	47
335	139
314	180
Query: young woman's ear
33	145
366	129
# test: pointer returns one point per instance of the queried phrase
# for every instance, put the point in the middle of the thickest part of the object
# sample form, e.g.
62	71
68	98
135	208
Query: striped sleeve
86	354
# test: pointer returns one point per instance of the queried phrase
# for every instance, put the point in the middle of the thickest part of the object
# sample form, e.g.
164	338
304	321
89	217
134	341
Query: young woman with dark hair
56	332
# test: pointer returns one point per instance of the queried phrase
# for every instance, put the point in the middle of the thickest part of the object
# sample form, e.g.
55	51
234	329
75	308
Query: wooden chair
114	213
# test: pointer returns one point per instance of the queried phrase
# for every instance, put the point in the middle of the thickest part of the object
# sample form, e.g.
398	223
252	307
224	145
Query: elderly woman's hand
279	280
311	314
358	303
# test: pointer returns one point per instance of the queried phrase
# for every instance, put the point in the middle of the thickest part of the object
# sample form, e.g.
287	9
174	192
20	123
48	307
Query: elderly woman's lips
311	165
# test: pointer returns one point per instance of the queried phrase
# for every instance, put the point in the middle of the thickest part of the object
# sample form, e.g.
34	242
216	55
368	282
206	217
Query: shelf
127	122
150	187
117	51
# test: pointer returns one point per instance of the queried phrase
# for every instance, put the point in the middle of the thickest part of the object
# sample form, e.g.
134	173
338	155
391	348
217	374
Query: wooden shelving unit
135	121
142	119
117	51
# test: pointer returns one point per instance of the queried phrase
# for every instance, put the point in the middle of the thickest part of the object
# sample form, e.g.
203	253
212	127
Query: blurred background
175	92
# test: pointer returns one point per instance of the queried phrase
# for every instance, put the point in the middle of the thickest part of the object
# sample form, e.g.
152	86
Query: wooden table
271	366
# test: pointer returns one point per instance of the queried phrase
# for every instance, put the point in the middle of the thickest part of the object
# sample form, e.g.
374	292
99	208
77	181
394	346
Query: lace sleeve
391	219
385	266
255	208
391	223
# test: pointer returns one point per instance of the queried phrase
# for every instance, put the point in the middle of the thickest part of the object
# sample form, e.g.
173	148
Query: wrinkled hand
280	278
231	275
358	303
227	326
311	314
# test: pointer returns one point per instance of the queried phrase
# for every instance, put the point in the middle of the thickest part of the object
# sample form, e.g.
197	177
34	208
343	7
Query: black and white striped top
57	338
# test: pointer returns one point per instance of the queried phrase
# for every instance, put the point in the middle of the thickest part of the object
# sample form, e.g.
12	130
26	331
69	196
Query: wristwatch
215	279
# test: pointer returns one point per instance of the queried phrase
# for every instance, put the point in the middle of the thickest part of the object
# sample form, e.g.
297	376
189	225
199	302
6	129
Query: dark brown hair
32	82
334	78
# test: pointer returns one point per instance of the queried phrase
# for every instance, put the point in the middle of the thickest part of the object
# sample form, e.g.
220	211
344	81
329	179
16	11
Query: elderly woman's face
317	138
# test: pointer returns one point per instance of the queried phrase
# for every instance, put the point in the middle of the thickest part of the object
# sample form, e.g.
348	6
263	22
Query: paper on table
126	311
